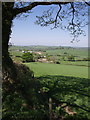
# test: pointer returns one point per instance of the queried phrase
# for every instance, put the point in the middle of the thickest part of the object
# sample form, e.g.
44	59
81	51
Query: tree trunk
8	67
7	17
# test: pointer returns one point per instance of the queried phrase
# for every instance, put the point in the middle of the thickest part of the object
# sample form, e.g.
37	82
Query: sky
25	32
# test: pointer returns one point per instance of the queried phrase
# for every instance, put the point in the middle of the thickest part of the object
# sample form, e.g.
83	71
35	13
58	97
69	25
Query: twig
58	15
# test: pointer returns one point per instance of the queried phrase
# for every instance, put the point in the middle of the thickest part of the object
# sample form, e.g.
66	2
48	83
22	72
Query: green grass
82	52
16	53
57	52
72	90
41	69
54	50
66	68
78	63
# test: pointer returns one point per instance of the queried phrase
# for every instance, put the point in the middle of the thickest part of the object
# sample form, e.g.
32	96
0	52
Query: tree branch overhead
34	4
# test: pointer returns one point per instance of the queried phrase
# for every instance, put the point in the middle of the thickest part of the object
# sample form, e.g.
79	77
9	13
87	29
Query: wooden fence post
50	108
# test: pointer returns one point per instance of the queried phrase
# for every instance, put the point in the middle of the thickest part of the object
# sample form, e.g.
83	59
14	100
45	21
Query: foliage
18	94
26	97
71	58
57	62
71	91
28	100
70	14
37	56
86	59
27	57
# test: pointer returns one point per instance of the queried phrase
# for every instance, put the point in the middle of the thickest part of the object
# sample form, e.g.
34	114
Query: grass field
66	83
65	68
41	69
83	52
74	51
77	63
58	53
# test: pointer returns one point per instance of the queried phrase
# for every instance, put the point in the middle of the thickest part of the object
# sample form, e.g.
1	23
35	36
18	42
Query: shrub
65	52
57	62
71	58
27	57
86	59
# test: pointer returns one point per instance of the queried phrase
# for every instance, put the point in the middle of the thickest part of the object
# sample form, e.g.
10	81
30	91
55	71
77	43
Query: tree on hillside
72	13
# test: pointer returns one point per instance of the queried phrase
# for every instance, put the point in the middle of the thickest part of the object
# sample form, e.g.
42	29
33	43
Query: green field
66	82
41	69
83	52
66	68
57	53
77	63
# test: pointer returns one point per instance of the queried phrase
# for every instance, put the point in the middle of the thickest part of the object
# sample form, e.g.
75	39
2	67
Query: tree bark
7	17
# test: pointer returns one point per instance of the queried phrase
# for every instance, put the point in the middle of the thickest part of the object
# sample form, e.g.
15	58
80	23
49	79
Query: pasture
54	53
66	84
41	69
83	52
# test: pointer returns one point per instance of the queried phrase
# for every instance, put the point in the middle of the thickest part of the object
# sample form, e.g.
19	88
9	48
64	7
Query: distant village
41	58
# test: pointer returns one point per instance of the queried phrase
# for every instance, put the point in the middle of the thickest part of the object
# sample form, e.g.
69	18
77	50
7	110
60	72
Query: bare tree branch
73	11
34	4
74	26
87	3
58	15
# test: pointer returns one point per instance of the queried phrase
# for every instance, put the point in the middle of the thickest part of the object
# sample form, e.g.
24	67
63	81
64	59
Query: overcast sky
25	32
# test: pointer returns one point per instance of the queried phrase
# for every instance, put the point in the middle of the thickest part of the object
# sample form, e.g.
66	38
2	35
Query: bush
86	59
57	62
65	52
71	58
28	57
